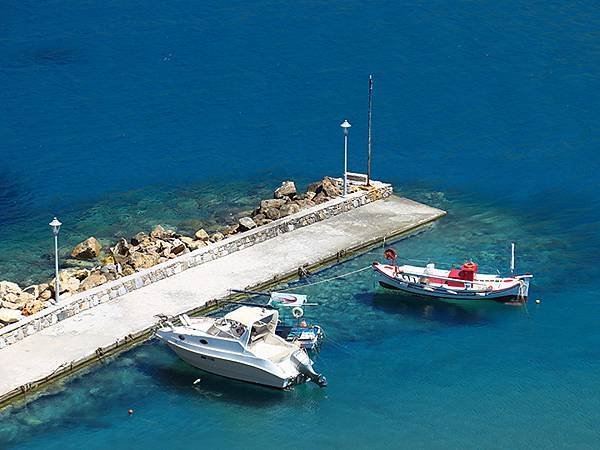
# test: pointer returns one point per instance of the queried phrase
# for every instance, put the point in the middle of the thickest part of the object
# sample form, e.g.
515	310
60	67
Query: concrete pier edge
25	392
85	300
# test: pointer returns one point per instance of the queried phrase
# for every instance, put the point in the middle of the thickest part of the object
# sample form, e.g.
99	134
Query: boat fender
297	312
390	254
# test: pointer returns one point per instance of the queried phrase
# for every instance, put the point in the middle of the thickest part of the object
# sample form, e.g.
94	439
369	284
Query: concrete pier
69	344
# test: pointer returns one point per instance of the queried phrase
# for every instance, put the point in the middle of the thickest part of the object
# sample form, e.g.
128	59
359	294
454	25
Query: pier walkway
69	342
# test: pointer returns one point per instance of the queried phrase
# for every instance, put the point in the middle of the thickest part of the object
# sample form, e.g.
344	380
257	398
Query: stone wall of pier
88	299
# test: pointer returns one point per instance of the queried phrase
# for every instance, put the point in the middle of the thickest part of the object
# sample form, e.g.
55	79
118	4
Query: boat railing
424	278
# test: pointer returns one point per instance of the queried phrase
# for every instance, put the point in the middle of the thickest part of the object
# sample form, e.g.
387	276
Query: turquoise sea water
116	117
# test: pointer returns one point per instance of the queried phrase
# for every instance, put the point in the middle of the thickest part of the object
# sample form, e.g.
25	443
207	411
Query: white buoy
538	301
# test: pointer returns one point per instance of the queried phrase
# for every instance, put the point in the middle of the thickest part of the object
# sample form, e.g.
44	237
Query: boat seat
454	273
274	353
185	320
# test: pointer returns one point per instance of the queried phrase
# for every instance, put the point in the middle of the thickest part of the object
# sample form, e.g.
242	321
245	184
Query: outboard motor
304	366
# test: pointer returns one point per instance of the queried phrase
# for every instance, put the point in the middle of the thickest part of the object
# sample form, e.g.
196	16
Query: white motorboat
242	345
455	284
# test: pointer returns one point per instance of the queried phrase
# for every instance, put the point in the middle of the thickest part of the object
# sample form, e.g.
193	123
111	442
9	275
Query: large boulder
68	282
13	302
88	249
12	297
192	244
143	260
32	307
271	203
232	229
202	235
288	209
321	197
7	287
246	223
160	233
305	203
162	248
94	279
273	213
287	189
120	252
314	187
46	294
178	247
10	315
330	187
140	238
217	237
35	289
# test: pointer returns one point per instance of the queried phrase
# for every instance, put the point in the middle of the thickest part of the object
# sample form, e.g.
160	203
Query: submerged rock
88	249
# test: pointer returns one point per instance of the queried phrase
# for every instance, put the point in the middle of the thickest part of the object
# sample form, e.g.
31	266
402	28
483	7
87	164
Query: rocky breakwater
143	250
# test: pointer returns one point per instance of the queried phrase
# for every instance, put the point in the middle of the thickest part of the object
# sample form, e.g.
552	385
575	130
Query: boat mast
512	257
369	130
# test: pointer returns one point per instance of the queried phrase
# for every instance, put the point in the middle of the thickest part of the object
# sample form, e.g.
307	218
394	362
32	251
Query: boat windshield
262	328
227	328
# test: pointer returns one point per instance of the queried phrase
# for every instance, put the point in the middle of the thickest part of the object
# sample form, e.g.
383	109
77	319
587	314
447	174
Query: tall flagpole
369	128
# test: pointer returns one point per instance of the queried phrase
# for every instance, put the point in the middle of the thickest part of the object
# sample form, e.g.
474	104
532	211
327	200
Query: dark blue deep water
115	116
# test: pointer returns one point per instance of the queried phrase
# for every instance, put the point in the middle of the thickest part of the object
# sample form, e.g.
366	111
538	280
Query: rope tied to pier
329	279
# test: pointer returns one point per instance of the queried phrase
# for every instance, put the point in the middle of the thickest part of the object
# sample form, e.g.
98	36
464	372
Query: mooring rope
329	279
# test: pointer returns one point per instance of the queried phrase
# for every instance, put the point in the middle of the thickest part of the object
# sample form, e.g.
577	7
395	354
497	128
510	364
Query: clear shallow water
116	117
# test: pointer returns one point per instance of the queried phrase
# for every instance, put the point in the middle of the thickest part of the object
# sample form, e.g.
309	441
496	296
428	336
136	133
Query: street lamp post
55	224
345	125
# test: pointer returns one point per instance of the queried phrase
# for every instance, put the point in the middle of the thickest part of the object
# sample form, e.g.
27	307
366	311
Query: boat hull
231	368
453	300
513	293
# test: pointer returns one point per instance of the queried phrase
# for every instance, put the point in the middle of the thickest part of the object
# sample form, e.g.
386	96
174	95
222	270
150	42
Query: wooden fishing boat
455	284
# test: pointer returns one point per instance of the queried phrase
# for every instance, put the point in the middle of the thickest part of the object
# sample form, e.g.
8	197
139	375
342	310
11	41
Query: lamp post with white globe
345	125
55	224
